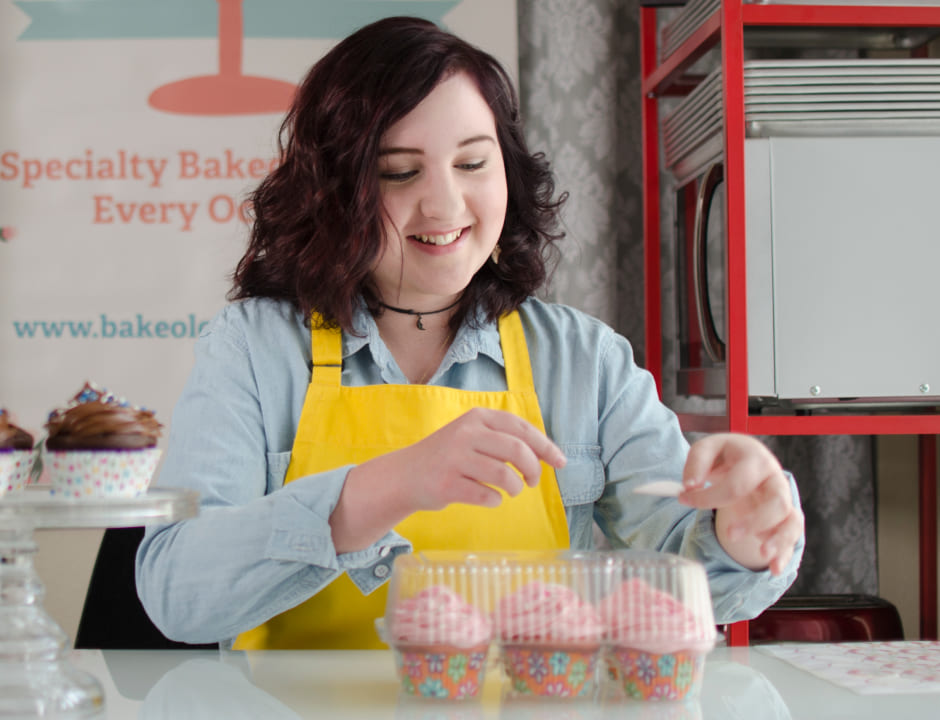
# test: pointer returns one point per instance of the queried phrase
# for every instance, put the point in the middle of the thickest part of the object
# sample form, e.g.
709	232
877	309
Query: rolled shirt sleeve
257	547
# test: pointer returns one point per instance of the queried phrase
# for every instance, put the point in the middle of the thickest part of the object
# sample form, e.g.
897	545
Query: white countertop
741	683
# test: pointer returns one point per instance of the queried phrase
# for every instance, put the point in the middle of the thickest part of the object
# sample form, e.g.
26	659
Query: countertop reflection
287	685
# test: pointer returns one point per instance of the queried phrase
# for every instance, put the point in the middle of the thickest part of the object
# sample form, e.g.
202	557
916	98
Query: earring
494	256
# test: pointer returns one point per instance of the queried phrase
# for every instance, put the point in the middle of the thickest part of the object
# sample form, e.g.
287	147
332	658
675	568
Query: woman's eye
398	176
472	166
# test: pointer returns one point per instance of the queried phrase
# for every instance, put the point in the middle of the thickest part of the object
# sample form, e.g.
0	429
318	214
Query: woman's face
443	189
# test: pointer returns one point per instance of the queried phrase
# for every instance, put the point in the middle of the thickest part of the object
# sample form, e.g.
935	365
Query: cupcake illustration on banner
16	455
99	445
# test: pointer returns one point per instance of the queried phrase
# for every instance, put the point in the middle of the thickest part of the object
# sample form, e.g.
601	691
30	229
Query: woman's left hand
755	519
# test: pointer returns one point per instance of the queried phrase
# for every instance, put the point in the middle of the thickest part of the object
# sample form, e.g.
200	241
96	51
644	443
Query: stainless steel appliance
842	233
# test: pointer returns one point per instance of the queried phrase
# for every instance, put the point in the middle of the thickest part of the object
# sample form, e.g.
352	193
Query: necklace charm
418	323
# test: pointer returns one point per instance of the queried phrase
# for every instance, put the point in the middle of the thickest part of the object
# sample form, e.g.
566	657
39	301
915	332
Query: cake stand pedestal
36	678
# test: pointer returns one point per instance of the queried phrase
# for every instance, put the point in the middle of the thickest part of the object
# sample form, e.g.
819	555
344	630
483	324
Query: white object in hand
666	488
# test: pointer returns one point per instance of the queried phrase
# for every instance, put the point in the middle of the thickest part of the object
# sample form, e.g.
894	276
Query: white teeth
439	239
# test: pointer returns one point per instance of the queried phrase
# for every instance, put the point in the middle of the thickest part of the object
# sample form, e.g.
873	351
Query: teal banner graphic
112	19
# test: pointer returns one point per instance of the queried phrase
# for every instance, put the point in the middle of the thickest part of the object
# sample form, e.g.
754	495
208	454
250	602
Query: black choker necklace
403	311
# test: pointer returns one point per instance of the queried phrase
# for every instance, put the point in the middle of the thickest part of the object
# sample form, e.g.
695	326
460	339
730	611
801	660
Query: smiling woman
385	380
443	190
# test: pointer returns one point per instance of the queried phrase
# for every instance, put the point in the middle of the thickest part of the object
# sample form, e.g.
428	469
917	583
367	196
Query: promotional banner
131	132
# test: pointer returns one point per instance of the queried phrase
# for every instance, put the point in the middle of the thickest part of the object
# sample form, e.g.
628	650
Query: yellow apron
346	425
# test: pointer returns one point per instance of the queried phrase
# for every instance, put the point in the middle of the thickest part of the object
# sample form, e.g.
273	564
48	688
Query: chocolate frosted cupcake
100	445
16	454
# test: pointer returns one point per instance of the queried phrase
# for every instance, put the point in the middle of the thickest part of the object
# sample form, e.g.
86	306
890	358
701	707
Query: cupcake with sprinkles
99	445
16	454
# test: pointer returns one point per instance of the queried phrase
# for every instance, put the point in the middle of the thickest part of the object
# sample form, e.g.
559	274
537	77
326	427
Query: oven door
700	283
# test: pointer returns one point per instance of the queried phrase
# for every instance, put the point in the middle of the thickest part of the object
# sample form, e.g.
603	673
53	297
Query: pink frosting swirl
542	612
439	616
638	615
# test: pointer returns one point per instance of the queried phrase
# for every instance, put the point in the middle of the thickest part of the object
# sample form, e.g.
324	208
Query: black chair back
112	616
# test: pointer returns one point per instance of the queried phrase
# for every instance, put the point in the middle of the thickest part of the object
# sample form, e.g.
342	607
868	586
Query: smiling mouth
445	239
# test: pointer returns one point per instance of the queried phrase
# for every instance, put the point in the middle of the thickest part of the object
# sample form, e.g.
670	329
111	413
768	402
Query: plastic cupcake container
553	619
437	631
660	625
548	630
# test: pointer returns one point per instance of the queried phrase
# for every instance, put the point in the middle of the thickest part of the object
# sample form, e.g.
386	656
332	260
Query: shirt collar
469	343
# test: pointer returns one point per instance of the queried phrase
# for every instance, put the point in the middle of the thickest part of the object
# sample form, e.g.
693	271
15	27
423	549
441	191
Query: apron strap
515	353
326	348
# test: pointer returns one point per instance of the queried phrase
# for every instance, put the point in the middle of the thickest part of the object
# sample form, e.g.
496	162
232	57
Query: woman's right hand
468	458
466	461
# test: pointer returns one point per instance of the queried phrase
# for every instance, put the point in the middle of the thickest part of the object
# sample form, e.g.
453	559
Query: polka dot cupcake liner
15	466
551	672
100	473
443	673
651	676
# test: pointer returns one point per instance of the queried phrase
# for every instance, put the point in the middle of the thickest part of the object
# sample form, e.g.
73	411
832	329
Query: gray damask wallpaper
580	87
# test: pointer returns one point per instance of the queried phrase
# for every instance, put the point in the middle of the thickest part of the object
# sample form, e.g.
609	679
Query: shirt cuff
302	532
369	569
299	534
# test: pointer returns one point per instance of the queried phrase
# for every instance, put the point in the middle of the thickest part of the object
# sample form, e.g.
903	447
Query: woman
385	381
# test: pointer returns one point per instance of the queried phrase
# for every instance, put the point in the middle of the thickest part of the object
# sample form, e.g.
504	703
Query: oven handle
713	345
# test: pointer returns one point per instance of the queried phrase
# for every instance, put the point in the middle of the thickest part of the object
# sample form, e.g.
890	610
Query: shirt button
381	571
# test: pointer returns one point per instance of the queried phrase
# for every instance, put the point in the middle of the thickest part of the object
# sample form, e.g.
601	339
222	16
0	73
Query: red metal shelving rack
724	29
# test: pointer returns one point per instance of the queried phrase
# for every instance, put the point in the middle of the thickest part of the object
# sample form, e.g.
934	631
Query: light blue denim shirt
259	547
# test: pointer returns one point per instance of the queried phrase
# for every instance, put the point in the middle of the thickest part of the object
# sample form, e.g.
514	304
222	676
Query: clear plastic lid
656	602
646	600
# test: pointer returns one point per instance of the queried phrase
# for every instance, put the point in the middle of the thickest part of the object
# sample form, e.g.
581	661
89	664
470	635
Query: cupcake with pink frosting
550	640
440	643
657	644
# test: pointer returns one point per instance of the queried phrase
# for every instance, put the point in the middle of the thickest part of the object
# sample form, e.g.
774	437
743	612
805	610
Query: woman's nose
442	198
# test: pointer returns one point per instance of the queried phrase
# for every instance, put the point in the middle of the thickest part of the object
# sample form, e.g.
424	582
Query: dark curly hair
318	229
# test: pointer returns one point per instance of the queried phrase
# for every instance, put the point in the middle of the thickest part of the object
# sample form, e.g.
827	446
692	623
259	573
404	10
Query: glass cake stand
36	678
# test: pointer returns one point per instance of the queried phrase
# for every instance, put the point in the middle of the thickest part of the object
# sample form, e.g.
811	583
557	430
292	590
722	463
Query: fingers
482	452
534	439
778	545
722	468
468	491
502	451
493	438
762	509
756	520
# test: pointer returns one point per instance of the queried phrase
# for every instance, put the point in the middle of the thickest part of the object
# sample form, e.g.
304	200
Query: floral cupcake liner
100	473
444	673
551	672
652	676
